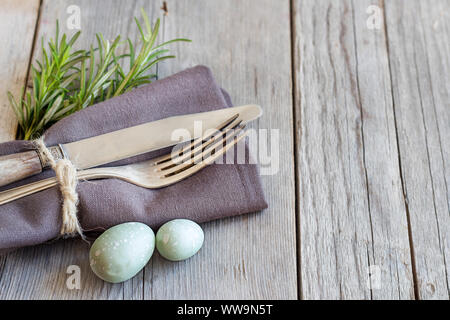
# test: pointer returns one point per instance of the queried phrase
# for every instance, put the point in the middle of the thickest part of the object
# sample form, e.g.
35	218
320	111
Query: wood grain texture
40	272
372	148
351	209
253	256
419	54
16	40
15	167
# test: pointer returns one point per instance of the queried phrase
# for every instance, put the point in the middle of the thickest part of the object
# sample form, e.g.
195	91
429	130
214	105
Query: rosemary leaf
67	80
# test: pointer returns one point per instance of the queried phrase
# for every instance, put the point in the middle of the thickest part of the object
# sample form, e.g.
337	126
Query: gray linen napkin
217	191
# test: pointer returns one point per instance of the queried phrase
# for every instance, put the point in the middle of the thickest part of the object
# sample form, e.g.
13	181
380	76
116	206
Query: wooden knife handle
15	167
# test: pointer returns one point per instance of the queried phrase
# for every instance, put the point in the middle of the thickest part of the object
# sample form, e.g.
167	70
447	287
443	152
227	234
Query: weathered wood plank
247	46
242	256
419	52
16	40
351	210
40	272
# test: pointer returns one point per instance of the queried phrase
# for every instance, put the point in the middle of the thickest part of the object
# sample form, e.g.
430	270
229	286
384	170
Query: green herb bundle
65	80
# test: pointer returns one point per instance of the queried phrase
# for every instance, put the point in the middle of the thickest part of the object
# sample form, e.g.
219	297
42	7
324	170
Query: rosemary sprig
65	80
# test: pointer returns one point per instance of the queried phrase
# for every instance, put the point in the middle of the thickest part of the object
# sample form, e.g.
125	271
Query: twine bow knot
66	174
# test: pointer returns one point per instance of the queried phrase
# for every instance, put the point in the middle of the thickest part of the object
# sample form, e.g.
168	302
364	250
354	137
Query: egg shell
122	251
179	239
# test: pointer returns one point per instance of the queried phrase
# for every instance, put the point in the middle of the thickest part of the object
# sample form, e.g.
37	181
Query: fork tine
194	152
166	181
165	172
229	123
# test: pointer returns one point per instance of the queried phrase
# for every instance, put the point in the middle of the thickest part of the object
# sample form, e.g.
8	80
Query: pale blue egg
179	239
122	251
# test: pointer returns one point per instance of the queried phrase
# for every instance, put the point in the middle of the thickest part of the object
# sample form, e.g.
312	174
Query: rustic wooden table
359	91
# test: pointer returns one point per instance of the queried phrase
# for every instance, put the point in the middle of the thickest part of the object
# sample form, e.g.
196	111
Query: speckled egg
122	251
179	239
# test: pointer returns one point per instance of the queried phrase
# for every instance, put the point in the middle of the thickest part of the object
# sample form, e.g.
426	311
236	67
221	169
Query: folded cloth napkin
219	190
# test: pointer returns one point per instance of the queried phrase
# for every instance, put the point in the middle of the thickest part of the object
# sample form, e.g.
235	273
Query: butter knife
121	144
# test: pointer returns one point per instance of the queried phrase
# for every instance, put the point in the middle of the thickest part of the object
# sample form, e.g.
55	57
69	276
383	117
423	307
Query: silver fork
155	173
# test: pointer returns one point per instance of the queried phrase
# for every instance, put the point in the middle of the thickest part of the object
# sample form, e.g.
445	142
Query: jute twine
66	174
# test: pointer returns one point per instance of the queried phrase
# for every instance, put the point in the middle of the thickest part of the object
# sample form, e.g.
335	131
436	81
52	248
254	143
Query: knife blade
122	144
